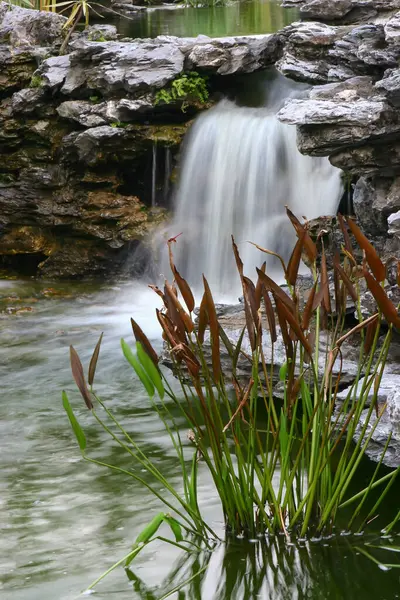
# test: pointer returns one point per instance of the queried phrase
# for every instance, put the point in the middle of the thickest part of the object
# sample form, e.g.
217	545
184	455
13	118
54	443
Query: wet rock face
339	10
353	115
76	147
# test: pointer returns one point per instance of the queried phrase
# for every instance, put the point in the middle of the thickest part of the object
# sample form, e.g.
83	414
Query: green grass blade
77	429
132	360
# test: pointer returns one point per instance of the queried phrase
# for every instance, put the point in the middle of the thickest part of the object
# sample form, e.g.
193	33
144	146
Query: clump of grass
189	87
278	466
36	81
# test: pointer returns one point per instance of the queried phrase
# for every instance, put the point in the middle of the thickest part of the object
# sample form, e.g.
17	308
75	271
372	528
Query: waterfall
240	168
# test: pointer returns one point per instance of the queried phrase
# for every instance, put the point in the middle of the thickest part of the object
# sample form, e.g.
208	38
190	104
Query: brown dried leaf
385	305
157	291
241	405
326	300
270	315
284	330
311	341
345	278
370	335
336	283
376	265
141	337
278	256
260	285
273	287
251	312
202	320
185	290
308	309
183	352
77	373
239	262
295	258
93	361
168	328
309	246
179	316
214	329
346	237
357	328
294	324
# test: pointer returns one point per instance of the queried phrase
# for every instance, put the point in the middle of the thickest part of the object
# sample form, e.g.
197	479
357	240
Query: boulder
22	27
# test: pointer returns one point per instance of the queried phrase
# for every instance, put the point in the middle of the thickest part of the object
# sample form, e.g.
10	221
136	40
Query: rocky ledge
352	114
80	133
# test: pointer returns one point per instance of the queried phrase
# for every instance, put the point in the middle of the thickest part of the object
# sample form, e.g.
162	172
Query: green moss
96	36
36	81
188	88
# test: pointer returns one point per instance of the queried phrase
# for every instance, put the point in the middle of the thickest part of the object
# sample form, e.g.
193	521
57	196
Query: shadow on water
326	569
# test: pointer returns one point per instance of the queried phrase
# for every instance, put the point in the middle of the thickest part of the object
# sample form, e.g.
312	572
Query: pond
235	18
64	521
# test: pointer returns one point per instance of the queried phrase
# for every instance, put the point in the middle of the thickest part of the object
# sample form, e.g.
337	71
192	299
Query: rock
374	200
227	56
394	224
325	112
325	11
53	71
389	395
92	114
389	425
27	100
392	30
319	53
24	27
112	67
390	86
339	116
353	11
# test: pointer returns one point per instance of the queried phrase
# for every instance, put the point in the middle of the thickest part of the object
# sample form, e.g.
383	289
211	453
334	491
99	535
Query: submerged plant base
279	466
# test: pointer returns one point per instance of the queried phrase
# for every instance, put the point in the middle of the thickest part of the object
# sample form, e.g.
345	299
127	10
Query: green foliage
118	125
188	88
279	465
36	81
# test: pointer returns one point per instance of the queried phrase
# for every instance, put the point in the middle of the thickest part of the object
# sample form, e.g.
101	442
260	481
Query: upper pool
234	18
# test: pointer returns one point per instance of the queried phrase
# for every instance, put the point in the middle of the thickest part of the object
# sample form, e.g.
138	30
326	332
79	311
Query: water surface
235	18
64	521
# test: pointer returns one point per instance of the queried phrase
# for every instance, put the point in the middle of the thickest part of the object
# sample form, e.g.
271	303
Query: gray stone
25	27
322	112
392	30
227	56
28	100
53	71
394	224
320	53
390	86
90	114
326	11
389	425
112	67
375	199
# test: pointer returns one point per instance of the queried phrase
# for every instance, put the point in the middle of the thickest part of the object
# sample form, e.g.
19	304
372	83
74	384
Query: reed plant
281	463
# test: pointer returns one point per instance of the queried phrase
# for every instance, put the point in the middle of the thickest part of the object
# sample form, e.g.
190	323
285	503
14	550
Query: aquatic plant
278	444
189	87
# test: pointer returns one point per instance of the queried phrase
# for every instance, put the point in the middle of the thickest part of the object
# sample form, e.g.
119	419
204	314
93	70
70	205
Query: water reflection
236	18
272	569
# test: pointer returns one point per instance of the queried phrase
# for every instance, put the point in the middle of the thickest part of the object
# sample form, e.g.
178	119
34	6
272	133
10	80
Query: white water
240	168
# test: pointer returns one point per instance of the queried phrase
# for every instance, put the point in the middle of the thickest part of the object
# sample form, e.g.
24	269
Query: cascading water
240	168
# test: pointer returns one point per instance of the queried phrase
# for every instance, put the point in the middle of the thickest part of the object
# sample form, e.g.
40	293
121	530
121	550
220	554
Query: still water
63	521
235	18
